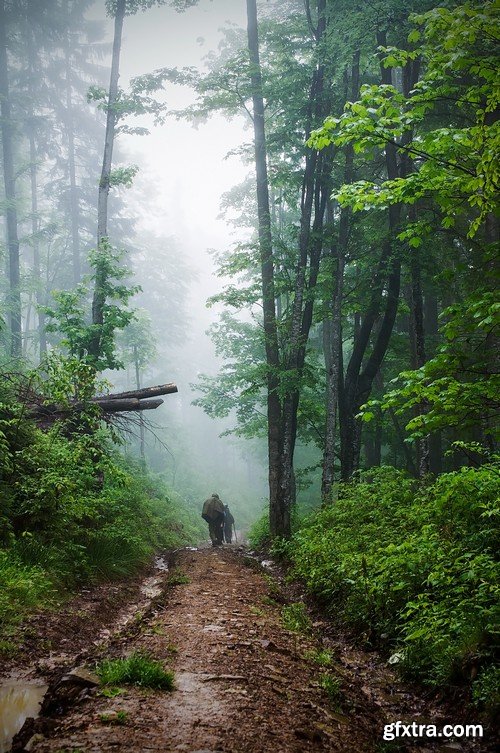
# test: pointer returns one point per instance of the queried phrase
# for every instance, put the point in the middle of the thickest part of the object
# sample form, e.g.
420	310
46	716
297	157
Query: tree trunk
279	517
73	190
358	381
39	295
431	327
316	189
141	419
14	295
335	346
99	299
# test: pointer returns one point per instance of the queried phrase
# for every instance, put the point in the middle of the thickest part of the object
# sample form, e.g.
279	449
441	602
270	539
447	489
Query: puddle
151	587
18	701
161	564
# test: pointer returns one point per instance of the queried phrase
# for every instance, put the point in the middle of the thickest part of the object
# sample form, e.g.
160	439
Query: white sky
185	166
182	170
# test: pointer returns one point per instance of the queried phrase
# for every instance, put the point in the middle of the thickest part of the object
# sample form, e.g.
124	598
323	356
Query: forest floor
243	683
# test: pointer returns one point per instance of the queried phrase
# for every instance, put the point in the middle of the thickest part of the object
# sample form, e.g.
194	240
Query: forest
330	366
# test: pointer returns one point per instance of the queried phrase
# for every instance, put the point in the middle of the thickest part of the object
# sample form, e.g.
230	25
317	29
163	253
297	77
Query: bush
22	587
412	568
74	511
259	535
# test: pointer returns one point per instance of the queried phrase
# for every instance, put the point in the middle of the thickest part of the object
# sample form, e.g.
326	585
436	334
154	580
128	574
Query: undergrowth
74	511
413	569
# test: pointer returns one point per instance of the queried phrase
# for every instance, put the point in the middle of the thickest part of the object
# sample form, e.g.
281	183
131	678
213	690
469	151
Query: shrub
413	568
74	511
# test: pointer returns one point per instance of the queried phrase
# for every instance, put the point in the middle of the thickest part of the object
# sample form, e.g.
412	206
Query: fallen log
127	404
119	402
161	389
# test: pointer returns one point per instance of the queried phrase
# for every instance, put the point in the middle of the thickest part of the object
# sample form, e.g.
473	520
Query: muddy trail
242	681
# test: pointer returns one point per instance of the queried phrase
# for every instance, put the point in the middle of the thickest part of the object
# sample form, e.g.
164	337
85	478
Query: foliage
119	717
22	588
323	657
69	318
137	669
456	165
295	618
459	386
331	686
417	574
74	510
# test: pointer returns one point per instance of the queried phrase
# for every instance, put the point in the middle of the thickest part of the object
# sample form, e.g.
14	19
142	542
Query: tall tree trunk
358	381
142	445
73	189
418	347
40	299
99	299
335	345
14	296
431	326
315	192
279	516
35	224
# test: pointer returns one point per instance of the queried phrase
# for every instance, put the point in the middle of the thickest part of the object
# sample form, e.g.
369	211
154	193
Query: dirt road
242	682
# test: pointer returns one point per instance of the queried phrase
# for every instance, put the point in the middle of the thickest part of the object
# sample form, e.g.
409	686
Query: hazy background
183	174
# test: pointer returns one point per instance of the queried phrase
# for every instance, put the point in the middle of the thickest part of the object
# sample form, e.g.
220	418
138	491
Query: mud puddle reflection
18	701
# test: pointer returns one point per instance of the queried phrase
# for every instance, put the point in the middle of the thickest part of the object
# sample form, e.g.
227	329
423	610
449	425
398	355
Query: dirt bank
243	682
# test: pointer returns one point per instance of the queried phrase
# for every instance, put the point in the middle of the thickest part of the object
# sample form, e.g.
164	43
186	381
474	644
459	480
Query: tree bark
99	298
14	295
39	294
73	189
144	392
431	327
279	516
315	192
142	443
358	379
335	345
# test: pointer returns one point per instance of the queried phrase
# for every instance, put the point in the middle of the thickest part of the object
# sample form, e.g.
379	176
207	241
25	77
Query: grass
178	578
111	692
8	648
294	617
331	686
137	669
320	656
118	717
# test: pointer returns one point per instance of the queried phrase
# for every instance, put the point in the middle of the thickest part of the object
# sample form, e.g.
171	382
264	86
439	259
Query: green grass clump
119	718
331	686
22	588
294	617
137	669
178	578
322	657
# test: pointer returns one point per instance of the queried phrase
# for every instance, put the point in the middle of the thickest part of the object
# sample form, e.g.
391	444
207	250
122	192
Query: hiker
228	525
213	514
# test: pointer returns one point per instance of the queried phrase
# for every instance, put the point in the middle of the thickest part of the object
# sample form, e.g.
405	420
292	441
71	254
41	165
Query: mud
243	683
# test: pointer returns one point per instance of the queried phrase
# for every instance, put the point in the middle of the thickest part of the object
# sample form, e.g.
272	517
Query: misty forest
250	248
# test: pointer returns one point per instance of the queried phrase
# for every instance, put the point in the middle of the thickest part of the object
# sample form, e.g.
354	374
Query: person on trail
213	514
228	525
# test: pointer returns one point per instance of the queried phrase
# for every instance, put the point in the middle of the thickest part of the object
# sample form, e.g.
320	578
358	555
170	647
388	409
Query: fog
183	173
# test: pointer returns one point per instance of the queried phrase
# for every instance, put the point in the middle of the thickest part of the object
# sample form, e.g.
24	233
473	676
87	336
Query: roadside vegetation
412	568
74	510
